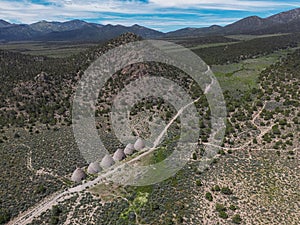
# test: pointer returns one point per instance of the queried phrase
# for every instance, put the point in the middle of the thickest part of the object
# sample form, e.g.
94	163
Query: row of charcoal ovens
108	160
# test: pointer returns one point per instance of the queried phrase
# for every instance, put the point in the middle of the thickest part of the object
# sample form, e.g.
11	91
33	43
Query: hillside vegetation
253	177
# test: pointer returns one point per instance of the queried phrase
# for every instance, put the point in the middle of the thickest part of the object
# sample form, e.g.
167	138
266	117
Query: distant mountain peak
4	23
215	27
247	21
286	17
76	22
44	26
254	18
246	25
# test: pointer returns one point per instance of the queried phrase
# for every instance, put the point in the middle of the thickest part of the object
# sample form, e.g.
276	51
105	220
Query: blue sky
163	15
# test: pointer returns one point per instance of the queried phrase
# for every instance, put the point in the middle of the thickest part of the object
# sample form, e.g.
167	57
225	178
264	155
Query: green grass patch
244	75
135	206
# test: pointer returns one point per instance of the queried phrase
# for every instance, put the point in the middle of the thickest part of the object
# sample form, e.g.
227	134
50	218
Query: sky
163	15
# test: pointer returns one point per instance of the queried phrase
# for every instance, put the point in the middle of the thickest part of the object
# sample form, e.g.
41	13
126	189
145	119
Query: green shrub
220	208
226	191
198	183
194	156
221	152
209	196
216	188
232	207
236	219
223	215
54	220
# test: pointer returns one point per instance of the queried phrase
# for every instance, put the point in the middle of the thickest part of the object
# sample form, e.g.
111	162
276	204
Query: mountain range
81	31
285	22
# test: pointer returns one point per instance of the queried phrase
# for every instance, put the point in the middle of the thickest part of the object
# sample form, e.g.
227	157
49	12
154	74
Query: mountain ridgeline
285	22
75	31
81	31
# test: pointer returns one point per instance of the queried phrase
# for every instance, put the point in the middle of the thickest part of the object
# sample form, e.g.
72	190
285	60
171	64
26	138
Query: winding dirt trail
262	133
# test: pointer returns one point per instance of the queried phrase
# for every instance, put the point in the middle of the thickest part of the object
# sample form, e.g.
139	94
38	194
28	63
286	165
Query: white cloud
223	4
133	11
